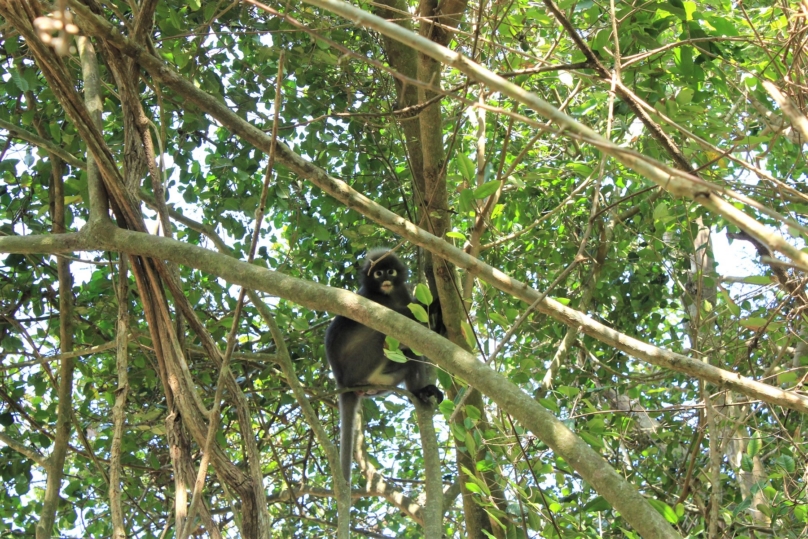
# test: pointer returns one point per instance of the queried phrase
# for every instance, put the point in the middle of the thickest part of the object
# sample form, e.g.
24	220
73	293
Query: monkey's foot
426	392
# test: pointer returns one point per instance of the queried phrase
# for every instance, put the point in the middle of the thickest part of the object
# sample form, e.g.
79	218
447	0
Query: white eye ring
378	274
391	272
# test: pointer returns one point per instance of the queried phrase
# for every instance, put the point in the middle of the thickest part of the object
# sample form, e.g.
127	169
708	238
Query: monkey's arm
354	351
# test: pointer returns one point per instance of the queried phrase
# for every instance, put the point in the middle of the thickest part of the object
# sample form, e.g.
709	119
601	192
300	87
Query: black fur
356	352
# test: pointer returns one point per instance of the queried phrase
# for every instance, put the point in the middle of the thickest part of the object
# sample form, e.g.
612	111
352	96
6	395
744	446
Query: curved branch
620	493
677	182
48	146
24	450
356	201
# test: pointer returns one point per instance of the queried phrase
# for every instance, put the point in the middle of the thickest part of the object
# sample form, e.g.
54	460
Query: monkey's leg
348	407
418	381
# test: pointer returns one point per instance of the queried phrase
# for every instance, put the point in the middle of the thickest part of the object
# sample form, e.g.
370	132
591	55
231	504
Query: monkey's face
383	273
385	279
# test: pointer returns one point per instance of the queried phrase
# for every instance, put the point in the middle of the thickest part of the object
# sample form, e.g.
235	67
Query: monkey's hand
426	392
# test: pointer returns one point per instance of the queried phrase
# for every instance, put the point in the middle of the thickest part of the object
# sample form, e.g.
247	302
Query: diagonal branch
677	182
26	451
50	147
674	181
395	223
617	491
356	201
151	275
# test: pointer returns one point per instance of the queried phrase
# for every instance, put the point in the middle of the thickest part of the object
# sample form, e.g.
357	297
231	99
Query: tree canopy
187	190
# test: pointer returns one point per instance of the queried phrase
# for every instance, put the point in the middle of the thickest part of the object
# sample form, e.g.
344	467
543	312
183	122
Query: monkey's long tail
348	406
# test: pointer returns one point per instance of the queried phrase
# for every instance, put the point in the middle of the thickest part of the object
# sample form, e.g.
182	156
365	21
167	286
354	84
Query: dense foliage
691	94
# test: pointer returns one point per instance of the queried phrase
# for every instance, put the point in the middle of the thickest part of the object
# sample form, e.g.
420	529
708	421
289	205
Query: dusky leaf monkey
356	352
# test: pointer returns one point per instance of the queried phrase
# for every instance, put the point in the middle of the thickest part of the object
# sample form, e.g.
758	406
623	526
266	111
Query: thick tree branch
151	276
581	457
672	180
356	201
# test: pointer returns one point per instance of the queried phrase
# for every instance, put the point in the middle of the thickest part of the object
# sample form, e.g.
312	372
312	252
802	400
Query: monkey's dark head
382	272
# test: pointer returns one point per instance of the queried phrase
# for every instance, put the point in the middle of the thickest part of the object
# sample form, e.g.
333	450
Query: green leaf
683	57
300	324
747	464
665	510
19	80
367	230
742	507
447	408
499	319
550	404
733	307
458	431
486	190
468	334
55	132
466	202
534	520
787	377
423	294
321	233
444	378
209	10
660	211
175	19
594	441
597	505
601	39
395	355
690	9
466	167
753	322
787	463
685	96
181	58
472	412
754	445
419	312
482	488
721	26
